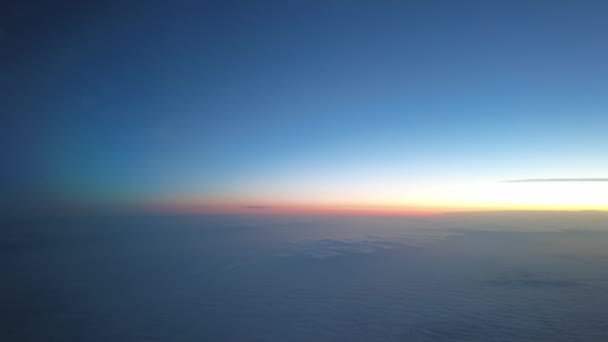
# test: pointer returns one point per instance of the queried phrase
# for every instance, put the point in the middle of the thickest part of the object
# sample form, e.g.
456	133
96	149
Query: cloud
556	180
534	283
325	248
452	329
527	280
256	207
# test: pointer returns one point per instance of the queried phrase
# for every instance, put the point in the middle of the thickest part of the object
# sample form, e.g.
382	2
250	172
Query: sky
391	107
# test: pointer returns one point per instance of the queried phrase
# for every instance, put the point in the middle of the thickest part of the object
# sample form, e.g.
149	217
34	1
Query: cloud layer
556	180
325	248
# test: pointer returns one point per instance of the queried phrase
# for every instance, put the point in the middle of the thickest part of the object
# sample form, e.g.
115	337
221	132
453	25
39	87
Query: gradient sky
320	106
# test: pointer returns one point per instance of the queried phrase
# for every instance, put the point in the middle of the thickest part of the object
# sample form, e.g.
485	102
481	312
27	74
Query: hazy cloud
525	279
325	248
556	180
256	207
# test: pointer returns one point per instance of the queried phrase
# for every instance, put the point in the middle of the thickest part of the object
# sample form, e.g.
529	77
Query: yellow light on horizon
525	195
403	199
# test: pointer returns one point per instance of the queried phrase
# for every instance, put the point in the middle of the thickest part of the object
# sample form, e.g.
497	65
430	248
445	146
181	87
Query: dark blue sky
110	103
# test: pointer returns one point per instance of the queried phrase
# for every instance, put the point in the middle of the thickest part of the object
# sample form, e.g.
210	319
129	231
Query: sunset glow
414	201
259	112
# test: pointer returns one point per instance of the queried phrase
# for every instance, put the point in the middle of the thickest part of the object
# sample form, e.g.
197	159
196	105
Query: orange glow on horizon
424	200
274	209
192	207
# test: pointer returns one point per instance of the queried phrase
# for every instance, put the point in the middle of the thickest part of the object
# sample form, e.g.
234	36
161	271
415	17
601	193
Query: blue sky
267	101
